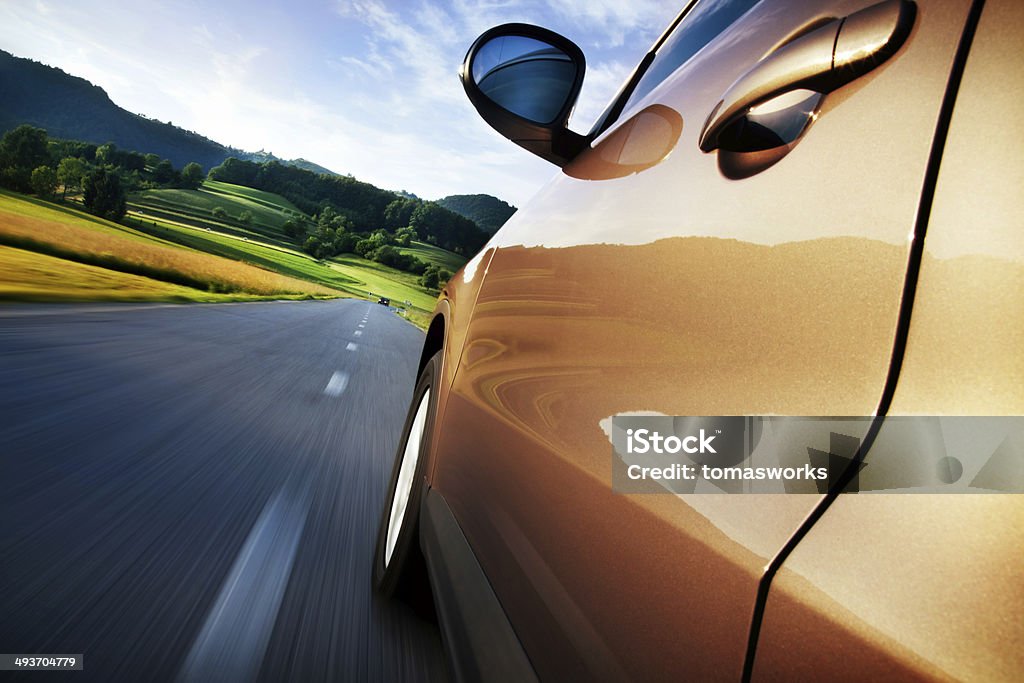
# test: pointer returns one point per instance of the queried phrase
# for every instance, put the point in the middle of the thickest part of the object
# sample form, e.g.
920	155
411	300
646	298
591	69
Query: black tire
405	573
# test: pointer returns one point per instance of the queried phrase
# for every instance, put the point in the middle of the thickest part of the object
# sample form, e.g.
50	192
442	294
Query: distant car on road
803	208
384	301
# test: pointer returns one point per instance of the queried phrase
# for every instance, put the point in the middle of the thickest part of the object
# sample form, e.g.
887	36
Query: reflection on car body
789	209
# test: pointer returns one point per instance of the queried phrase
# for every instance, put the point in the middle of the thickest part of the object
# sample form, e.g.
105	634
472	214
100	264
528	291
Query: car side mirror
524	81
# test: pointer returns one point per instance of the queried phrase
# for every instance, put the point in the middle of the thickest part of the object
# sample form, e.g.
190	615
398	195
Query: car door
929	585
651	277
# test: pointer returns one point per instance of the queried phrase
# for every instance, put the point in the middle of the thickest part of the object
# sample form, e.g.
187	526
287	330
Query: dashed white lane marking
336	385
362	324
351	347
231	644
358	333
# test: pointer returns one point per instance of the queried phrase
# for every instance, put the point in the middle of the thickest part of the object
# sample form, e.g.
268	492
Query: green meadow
430	254
69	237
170	247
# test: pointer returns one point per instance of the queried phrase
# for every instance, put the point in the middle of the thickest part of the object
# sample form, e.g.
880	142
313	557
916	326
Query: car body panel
931	585
692	284
970	297
451	317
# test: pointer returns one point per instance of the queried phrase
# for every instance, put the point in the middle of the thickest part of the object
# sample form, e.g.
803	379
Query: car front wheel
398	565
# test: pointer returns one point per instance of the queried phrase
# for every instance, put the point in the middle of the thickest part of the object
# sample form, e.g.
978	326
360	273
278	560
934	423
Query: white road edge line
336	385
233	640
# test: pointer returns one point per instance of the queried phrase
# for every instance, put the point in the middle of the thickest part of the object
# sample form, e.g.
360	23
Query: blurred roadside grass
71	237
31	276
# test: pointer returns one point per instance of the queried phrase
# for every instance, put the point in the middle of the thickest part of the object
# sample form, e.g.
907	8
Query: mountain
72	108
307	165
490	213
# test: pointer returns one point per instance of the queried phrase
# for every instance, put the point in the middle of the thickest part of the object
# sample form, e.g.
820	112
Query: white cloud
614	20
371	68
425	43
600	85
367	87
422	46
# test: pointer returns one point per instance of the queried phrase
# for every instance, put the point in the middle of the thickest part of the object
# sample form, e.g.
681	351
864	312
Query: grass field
31	276
74	236
355	276
171	238
176	218
269	211
383	281
433	255
268	199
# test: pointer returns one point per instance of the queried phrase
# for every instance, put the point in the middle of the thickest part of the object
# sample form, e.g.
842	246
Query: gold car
791	208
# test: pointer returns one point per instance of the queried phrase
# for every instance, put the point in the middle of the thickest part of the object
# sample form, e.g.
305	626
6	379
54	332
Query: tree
192	176
363	248
346	243
44	181
103	194
164	173
435	277
378	239
313	247
387	255
295	228
106	154
61	149
131	181
236	171
70	172
329	218
130	161
152	160
245	218
404	236
21	151
219	213
398	212
390	256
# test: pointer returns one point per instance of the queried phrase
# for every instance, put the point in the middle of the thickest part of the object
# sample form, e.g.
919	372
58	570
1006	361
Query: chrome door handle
823	60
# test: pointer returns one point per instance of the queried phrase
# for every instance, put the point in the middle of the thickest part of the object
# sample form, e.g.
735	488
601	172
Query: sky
364	87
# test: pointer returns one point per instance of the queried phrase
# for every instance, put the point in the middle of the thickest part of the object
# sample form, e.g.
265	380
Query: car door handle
822	60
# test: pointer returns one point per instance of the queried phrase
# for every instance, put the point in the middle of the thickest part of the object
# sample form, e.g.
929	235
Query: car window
700	26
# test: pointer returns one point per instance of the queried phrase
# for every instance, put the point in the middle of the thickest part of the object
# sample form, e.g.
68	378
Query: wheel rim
406	475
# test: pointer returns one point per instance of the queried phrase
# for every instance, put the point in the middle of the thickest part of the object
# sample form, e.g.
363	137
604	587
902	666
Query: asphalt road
192	492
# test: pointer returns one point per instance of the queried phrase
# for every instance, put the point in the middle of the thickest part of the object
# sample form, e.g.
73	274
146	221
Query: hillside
364	207
171	247
185	217
489	213
72	108
305	164
52	252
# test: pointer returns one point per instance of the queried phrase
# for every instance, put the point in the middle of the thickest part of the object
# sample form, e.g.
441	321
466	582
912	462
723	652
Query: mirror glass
528	77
